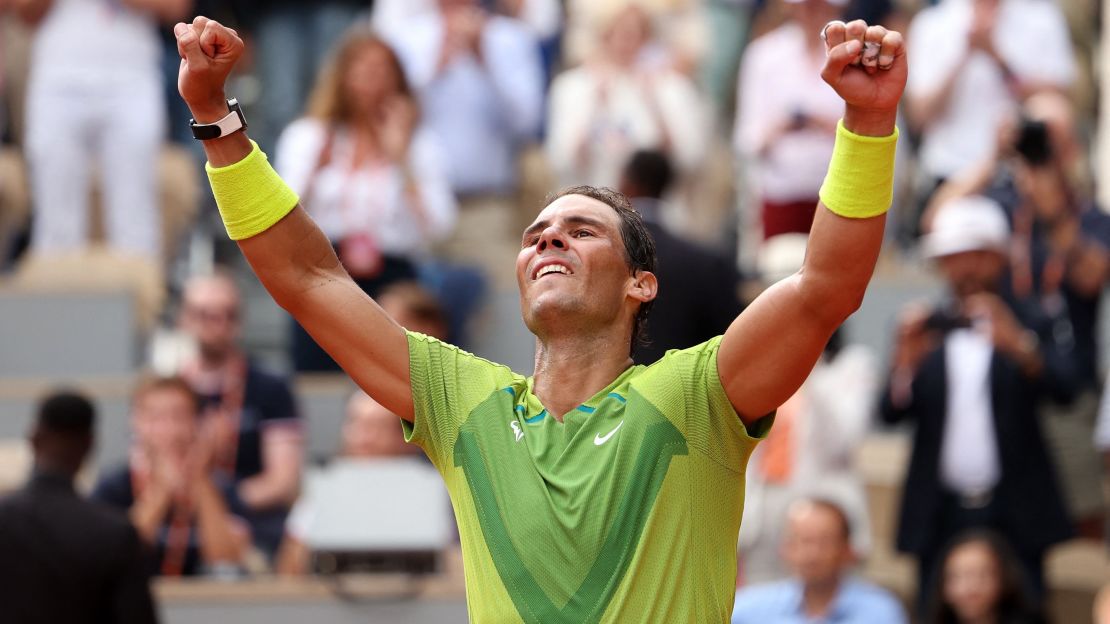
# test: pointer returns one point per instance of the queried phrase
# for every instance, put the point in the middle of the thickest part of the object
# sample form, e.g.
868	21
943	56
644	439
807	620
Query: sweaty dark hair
66	412
639	246
1012	605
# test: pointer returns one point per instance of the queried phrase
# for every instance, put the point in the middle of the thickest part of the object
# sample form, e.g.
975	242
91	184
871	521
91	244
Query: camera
1033	143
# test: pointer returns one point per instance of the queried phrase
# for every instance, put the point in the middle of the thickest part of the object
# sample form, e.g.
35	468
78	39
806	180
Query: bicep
769	350
297	265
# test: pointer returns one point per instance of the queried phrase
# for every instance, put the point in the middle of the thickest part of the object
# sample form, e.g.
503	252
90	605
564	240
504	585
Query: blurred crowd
422	135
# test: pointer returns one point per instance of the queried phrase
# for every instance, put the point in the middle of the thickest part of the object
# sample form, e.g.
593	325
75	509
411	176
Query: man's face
816	547
165	421
371	430
571	269
972	272
210	314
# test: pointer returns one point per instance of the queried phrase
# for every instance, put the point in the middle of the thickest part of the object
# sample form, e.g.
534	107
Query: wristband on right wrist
860	181
250	195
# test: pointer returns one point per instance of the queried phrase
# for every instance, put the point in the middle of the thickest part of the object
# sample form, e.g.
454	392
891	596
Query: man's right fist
208	52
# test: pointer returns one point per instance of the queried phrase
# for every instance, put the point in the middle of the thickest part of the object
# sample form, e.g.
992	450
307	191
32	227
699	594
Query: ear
645	286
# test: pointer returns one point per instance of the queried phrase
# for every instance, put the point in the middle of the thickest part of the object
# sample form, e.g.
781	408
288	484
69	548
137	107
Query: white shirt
969	449
544	17
1032	37
633	111
482	111
1102	428
371	199
98	42
779	76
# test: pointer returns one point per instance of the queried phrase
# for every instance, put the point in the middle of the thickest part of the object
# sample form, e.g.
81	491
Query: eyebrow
539	226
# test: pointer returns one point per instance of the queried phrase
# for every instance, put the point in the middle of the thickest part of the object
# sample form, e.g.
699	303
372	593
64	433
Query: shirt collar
837	610
47	479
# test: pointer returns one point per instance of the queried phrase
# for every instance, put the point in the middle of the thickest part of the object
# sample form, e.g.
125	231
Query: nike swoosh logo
602	439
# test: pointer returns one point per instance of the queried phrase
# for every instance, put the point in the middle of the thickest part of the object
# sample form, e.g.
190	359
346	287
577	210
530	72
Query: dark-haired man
702	295
583	492
64	559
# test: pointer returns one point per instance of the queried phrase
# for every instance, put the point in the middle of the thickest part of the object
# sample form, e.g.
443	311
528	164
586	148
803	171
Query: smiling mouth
551	269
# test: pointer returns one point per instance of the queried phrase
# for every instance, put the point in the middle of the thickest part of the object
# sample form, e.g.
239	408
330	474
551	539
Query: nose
551	237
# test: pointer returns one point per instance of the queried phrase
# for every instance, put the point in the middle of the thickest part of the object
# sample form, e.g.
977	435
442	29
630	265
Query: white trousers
114	127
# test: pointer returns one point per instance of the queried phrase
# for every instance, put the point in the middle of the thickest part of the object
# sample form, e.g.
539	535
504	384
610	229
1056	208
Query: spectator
970	374
701	293
610	106
66	559
970	66
371	176
95	103
369	432
479	80
685	32
175	499
1061	258
544	17
786	116
249	411
818	551
811	450
293	39
981	581
415	309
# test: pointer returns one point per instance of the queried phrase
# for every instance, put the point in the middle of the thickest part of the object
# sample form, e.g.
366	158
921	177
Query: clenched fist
209	50
866	66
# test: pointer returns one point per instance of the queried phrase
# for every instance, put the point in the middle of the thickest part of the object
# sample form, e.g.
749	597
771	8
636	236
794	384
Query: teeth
552	268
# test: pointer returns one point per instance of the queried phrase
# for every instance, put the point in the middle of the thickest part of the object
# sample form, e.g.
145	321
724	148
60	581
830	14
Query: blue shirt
857	602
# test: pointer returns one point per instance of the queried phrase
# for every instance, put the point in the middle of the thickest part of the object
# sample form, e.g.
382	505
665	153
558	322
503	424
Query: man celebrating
581	493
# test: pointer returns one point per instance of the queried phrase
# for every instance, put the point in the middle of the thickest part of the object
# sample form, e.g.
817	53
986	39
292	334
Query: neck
571	369
818	597
56	468
214	361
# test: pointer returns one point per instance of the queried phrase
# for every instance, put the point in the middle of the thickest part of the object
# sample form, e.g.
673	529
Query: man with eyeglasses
249	411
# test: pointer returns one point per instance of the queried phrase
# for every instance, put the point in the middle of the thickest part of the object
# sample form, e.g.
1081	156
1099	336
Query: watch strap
233	122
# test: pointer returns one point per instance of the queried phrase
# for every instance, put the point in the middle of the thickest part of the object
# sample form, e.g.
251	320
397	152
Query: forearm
218	542
842	251
148	512
278	483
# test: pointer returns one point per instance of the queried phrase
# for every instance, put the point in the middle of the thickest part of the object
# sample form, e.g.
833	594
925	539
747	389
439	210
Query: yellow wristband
250	195
860	181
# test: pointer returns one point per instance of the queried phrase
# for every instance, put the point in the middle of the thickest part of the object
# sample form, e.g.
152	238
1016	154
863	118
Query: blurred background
423	136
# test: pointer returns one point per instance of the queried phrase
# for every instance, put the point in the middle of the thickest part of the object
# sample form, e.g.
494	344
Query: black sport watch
233	122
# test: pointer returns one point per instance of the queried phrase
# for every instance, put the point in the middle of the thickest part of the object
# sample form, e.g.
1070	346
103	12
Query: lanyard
232	390
180	527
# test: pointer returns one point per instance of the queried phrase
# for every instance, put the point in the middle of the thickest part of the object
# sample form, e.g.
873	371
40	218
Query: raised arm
292	257
769	350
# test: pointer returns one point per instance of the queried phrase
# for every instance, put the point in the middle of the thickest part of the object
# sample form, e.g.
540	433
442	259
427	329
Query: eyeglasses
212	315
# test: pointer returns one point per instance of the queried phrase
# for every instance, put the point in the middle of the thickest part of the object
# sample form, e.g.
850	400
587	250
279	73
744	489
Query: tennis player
595	490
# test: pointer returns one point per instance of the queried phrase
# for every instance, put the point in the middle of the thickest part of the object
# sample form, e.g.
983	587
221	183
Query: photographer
1059	259
970	374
